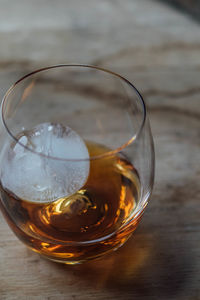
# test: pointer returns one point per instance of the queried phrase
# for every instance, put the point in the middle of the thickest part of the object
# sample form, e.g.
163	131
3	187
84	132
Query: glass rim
104	155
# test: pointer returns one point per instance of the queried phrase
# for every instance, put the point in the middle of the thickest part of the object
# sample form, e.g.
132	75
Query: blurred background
156	45
188	6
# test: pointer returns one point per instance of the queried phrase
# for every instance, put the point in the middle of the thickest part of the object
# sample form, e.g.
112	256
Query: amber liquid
85	225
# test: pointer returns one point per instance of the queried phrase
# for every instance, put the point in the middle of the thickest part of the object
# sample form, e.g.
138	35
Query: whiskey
92	221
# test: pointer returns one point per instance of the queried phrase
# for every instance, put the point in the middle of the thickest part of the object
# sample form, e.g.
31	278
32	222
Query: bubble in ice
39	178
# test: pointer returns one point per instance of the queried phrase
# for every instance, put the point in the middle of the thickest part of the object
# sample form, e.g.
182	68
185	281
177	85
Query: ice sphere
38	178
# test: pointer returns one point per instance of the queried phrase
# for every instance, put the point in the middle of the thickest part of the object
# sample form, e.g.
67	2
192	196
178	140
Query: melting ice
37	178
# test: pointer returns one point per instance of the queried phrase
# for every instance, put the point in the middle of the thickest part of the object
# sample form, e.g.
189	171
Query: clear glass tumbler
76	161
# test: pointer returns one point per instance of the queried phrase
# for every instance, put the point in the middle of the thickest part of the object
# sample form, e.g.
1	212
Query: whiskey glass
76	161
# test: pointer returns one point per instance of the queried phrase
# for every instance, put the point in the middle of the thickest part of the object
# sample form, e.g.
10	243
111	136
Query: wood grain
158	49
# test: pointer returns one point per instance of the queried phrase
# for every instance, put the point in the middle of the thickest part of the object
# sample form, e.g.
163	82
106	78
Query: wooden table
158	49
